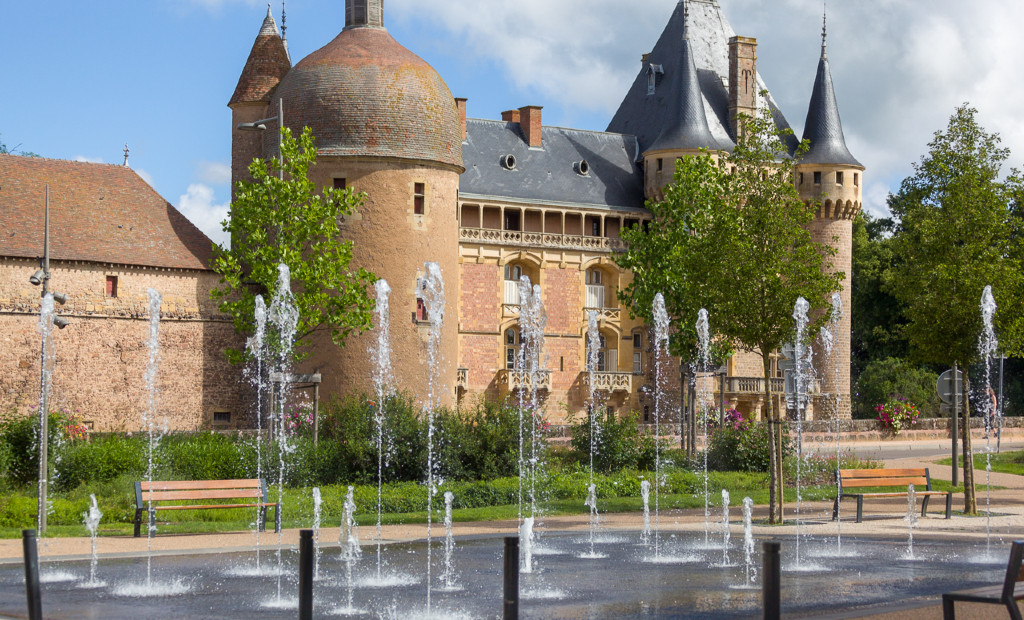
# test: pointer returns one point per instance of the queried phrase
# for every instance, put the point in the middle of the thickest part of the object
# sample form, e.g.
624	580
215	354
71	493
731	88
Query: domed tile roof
363	94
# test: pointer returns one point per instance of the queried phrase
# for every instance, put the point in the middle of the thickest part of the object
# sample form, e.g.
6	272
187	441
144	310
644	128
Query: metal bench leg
277	517
835	509
947	608
1011	605
924	505
261	519
860	508
138	522
949	505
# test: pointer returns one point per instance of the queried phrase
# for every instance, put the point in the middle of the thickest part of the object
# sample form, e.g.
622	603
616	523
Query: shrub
743	449
618	444
881	378
205	456
19	434
102	459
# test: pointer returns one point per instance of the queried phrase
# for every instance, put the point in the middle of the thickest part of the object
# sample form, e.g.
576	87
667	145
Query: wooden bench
852	478
1006	594
151	496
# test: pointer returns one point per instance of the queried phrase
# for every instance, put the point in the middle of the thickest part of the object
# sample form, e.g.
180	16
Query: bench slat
176	485
164	496
880	473
886	482
205	506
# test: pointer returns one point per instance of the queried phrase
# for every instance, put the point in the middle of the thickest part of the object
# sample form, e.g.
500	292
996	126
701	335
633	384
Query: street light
42	276
261	125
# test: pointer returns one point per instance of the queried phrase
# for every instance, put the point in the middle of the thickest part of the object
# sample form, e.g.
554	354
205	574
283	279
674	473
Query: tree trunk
774	450
970	500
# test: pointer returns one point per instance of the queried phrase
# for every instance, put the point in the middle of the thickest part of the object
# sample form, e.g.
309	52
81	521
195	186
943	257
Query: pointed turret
686	126
268	62
823	129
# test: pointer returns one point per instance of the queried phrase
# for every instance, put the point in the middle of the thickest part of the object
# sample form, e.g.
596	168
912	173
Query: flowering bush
298	416
734	419
897	413
74	428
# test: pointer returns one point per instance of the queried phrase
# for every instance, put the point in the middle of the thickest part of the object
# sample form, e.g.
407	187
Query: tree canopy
292	221
731	235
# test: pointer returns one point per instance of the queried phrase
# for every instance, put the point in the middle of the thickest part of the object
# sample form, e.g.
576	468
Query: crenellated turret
830	175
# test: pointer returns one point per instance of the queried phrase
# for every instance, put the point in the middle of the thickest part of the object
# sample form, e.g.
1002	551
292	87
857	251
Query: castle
488	200
493	200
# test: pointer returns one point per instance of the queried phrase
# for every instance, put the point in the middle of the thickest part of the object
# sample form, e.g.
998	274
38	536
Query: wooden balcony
512	380
610	381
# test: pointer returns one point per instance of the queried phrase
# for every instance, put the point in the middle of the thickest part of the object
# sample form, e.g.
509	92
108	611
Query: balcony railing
462	378
755	385
512	380
611	314
540	240
610	381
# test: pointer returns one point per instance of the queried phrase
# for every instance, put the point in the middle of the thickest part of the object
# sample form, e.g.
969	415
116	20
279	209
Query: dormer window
654	75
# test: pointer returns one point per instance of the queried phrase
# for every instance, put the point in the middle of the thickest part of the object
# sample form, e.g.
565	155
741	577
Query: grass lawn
1004	463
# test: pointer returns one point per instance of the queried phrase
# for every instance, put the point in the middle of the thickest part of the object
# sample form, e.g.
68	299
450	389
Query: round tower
829	175
385	124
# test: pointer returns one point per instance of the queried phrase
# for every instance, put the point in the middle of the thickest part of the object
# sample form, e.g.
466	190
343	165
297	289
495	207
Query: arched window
511	347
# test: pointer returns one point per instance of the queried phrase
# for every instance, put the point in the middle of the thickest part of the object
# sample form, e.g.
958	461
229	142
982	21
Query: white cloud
899	70
89	160
198	205
214	172
147	177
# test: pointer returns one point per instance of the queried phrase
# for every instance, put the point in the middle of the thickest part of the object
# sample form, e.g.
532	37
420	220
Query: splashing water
988	347
383	380
802	371
255	346
645	493
348	540
593	350
726	534
46	312
911	518
534	343
317	501
92	523
526	545
704	344
149	418
660	351
283	315
448	576
432	289
525	292
827	336
748	540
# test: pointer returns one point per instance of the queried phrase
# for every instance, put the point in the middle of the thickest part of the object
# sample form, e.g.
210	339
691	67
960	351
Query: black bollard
772	582
35	601
306	575
511	608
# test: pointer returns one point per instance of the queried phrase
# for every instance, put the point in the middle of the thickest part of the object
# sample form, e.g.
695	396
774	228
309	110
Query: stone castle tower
385	124
831	176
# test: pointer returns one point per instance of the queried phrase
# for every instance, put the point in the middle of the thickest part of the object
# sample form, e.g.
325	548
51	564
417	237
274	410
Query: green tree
292	221
732	236
954	238
892	375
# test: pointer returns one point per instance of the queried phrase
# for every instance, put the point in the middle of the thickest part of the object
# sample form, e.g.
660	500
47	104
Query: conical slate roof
647	115
823	129
686	124
267	64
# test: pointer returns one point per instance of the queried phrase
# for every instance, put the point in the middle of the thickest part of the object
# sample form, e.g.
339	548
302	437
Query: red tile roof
268	62
98	213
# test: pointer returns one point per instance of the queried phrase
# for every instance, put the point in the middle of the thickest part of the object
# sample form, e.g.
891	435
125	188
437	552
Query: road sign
945	386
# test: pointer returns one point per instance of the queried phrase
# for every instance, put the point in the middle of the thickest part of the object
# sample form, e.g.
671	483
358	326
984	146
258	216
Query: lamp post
261	125
42	276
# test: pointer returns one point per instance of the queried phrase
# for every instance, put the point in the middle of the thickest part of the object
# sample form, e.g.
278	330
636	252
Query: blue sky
79	79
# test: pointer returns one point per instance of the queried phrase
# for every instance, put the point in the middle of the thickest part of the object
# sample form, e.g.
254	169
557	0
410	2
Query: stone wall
101	356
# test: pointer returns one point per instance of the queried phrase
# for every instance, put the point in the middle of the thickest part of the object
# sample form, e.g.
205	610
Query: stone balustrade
541	240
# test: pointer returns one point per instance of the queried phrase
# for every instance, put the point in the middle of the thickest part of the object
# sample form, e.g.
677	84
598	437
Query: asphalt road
926	449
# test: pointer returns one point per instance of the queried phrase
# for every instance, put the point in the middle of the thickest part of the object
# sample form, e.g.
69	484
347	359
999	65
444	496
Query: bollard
35	602
772	582
511	608
306	575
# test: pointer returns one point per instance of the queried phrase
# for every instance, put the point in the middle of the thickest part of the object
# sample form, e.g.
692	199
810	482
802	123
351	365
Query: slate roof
687	124
645	115
268	62
549	174
98	213
363	94
823	127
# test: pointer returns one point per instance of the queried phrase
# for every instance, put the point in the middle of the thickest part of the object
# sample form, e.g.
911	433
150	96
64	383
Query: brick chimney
530	124
742	79
460	104
510	116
